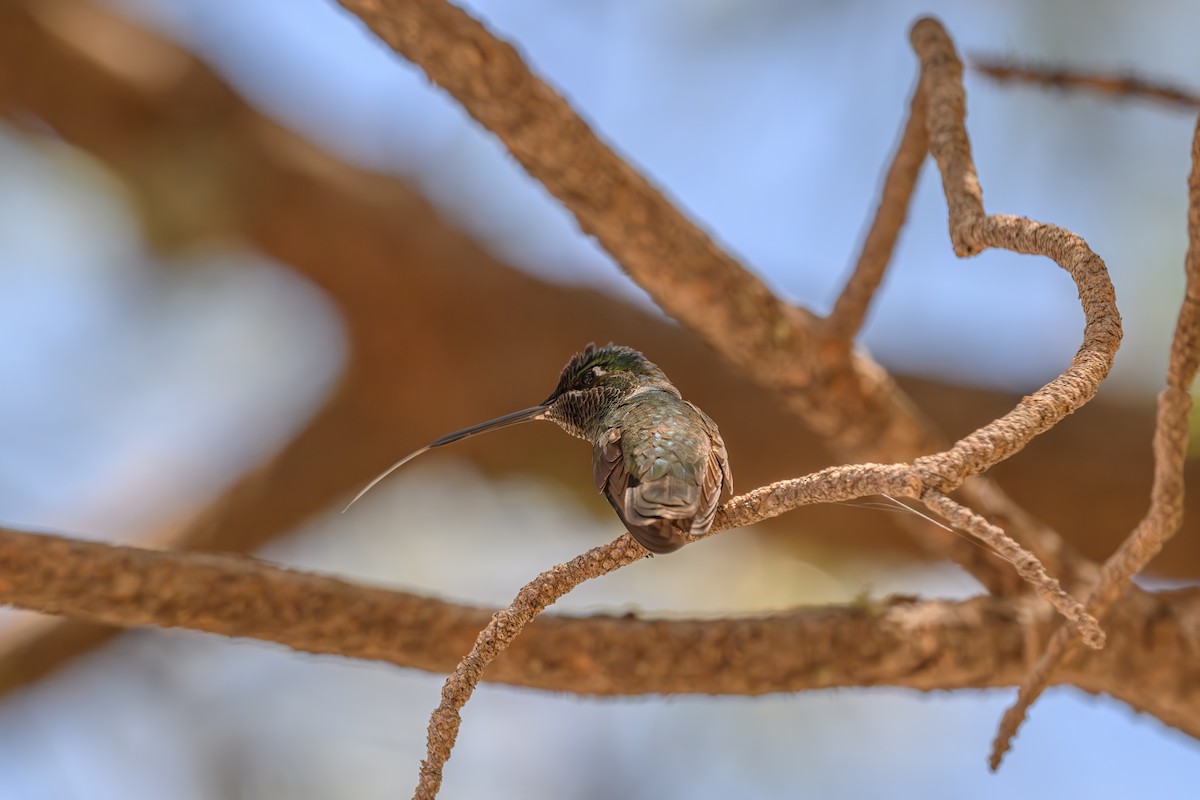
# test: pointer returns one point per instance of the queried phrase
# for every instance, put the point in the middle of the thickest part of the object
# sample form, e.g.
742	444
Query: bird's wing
639	502
665	487
717	478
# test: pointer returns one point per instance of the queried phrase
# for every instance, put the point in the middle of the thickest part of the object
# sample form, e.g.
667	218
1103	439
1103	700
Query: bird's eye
588	378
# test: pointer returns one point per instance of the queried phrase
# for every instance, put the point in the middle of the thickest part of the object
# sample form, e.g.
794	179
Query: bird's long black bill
525	415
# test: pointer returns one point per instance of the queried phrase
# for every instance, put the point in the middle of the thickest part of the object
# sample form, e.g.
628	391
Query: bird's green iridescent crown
611	358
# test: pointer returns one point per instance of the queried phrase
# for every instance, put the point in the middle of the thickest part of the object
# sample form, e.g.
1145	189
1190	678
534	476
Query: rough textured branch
498	634
688	274
922	645
1023	562
830	485
971	231
734	311
309	209
775	341
1165	514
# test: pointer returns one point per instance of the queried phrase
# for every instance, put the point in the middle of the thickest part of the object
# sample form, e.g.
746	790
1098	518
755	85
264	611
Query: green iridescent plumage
658	459
611	358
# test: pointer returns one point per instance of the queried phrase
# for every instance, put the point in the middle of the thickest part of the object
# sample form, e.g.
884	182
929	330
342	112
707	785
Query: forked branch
836	484
781	346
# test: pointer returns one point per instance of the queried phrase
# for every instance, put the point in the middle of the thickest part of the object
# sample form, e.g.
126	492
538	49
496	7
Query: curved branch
504	626
115	115
971	232
1165	515
733	310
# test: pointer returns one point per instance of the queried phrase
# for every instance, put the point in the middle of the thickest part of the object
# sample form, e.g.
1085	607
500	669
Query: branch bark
850	310
926	645
643	231
310	211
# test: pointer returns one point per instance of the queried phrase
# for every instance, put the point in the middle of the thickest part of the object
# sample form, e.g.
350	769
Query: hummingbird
658	459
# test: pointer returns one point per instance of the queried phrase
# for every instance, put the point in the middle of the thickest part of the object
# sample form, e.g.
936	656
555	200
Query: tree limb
930	644
850	309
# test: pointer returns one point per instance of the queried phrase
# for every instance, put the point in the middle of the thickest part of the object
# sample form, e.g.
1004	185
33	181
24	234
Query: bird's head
592	382
596	380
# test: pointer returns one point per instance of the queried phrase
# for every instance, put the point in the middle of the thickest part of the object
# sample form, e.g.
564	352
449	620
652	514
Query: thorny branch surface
1165	514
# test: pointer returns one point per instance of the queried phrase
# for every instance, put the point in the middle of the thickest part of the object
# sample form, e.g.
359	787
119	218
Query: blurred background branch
1119	86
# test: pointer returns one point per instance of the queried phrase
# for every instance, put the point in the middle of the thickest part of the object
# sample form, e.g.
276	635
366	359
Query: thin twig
850	309
1022	560
507	623
1119	85
1165	515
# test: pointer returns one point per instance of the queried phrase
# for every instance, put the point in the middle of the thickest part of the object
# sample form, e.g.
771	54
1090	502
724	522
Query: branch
1165	515
1026	565
836	484
971	232
1119	85
923	645
850	309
